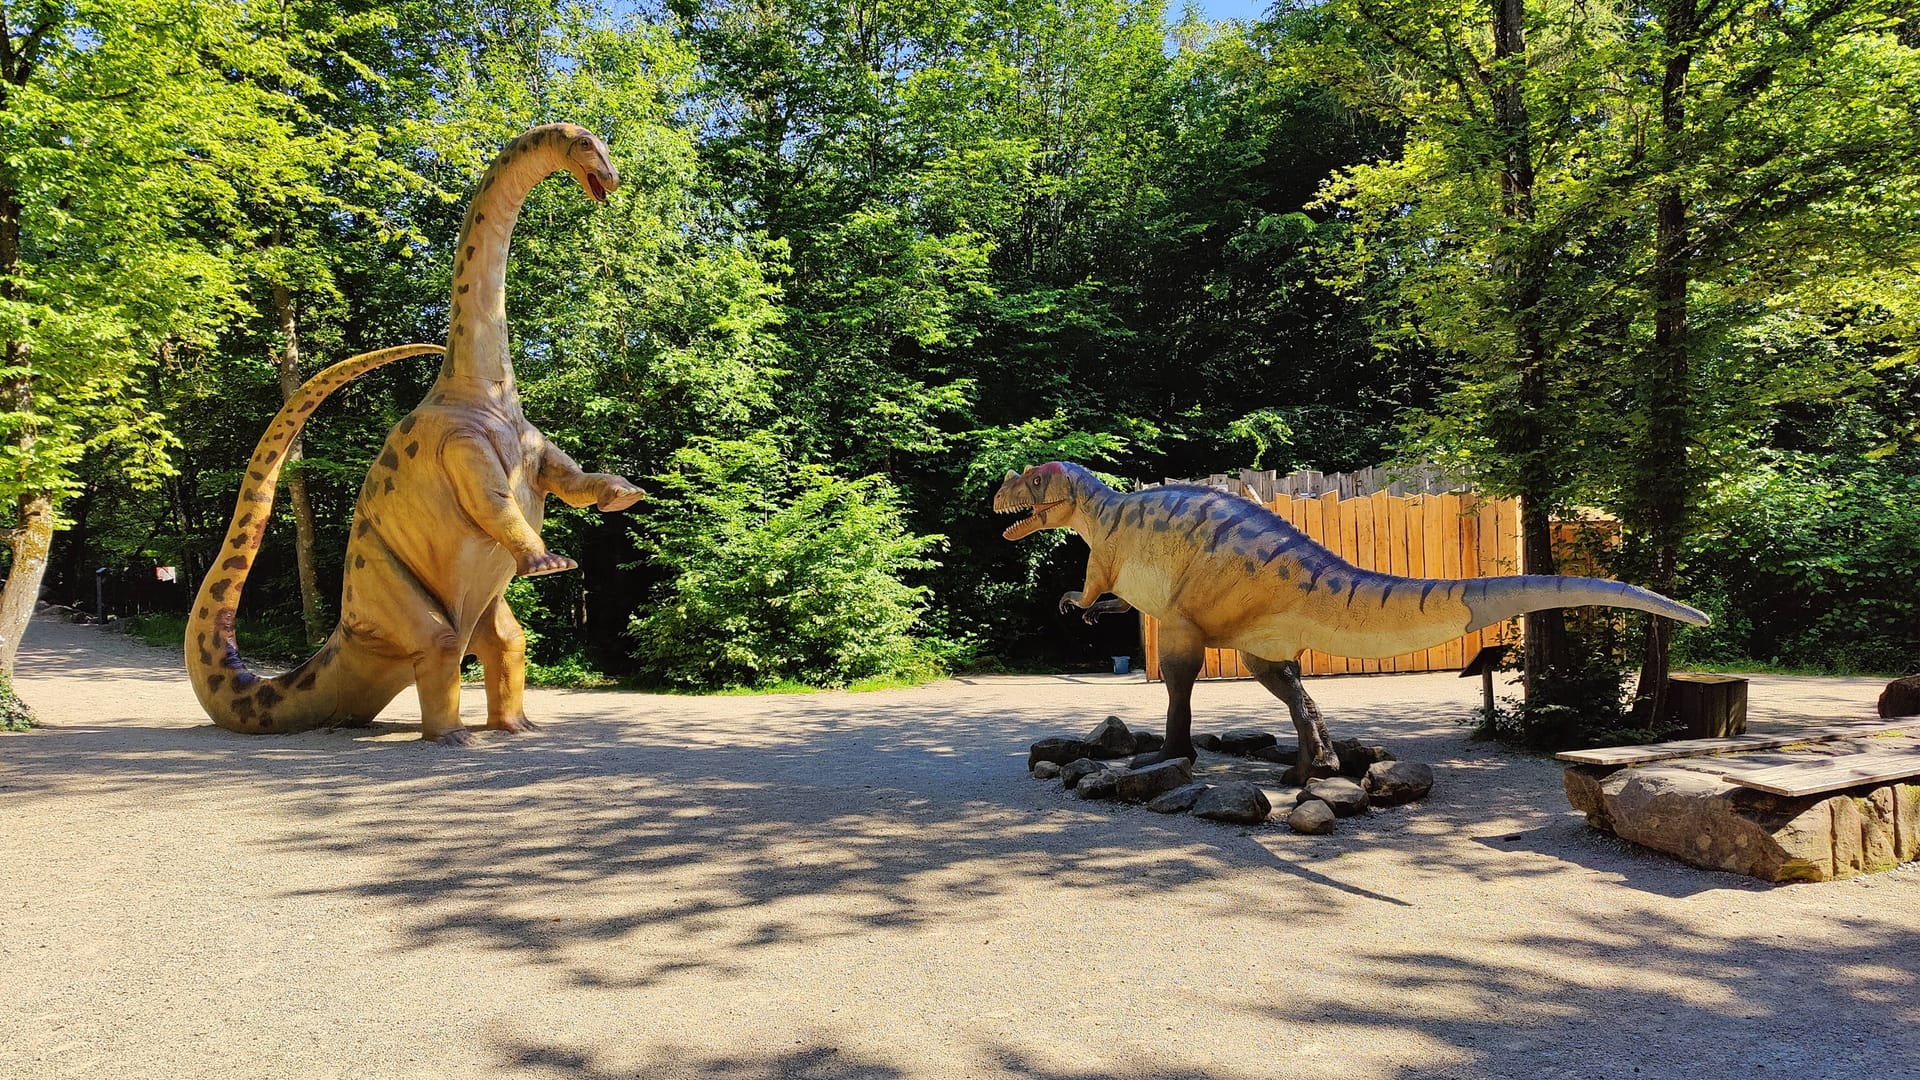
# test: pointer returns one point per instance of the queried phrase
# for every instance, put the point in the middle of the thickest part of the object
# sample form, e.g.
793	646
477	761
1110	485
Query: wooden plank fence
1449	535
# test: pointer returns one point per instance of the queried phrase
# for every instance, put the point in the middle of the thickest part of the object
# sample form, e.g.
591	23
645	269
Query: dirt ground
870	886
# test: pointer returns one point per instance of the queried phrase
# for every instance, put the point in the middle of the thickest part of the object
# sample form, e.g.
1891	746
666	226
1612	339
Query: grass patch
270	641
1767	667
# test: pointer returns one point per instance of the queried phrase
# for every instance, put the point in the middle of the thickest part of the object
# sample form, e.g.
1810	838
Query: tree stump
1707	706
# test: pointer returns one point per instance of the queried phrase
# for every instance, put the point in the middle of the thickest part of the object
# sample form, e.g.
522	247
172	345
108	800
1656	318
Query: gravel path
870	886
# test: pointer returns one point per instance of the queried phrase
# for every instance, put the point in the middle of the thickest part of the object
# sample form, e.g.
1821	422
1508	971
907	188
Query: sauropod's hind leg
1282	679
502	648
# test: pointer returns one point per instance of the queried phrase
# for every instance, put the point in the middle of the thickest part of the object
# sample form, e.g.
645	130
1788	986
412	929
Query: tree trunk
1665	380
1524	263
313	616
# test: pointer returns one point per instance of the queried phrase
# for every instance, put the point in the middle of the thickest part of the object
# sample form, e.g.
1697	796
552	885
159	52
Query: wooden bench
1830	773
1638	755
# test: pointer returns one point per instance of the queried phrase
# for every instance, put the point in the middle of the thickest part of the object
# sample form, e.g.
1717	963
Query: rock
1285	753
1311	818
1392	783
1111	739
1046	770
1146	742
1140	785
1207	742
1239	802
1583	792
1179	800
1071	773
1342	796
1709	822
1060	751
1357	757
1245	741
1101	785
1901	697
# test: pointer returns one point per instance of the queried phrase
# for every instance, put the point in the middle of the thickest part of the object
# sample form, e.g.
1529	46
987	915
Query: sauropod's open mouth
597	189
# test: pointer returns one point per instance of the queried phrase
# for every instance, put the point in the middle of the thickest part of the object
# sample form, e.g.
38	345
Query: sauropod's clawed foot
457	737
517	725
546	563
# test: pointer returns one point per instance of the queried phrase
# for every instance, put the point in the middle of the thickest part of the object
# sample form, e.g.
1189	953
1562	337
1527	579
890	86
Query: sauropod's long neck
477	331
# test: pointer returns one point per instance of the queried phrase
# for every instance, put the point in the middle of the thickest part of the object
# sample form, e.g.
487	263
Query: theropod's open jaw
1017	493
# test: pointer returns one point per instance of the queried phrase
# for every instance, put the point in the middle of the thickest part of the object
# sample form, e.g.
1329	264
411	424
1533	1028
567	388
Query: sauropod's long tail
1491	600
233	696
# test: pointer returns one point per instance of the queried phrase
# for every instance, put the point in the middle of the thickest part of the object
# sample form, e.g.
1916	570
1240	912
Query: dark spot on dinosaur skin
242	709
1424	592
412	449
238	541
268	696
245	521
477	219
215	682
326	655
461	330
238	562
407	424
347	594
469	251
306	681
307	406
1249	567
1333	585
439	399
389	488
257	476
271	455
218	590
456	309
201	614
1160	525
464	287
390	459
1386	590
359	562
361	529
266	721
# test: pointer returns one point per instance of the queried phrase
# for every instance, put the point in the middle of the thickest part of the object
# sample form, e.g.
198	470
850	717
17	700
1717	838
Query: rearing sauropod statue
448	515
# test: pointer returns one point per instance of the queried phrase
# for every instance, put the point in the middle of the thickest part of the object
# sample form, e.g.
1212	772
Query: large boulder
1179	800
1141	785
1901	697
1101	785
1245	741
1060	751
1072	773
1111	739
1357	757
1146	742
1393	783
1285	753
1704	820
1239	802
1311	818
1046	770
1342	796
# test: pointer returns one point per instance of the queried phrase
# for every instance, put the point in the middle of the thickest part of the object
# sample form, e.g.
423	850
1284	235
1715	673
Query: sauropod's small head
1048	490
587	160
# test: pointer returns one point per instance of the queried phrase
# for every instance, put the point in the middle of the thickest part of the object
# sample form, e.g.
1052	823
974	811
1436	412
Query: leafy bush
779	572
1812	566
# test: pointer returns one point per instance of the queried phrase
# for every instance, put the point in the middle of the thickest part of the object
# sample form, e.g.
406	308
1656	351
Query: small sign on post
1483	664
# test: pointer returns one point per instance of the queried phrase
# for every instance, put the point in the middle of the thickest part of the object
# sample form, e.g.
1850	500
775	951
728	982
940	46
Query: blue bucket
1122	665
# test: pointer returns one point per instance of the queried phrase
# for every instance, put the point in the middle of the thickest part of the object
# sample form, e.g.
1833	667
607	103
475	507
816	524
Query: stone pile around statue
1242	792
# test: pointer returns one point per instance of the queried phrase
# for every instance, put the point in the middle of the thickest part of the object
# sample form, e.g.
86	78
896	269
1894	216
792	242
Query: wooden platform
1816	804
1733	744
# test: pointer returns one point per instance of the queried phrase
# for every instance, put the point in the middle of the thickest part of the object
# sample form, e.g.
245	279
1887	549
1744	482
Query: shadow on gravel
1647	996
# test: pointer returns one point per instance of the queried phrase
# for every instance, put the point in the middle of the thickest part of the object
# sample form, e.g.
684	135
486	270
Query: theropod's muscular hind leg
502	648
1182	654
1282	679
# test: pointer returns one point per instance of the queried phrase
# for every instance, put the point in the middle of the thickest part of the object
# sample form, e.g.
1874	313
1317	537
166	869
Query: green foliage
1587	706
14	713
1811	565
779	572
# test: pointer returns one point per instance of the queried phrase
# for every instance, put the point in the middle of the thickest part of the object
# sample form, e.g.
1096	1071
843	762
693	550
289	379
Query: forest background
1654	258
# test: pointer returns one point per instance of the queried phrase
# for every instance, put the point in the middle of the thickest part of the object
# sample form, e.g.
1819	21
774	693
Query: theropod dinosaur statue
449	513
1220	571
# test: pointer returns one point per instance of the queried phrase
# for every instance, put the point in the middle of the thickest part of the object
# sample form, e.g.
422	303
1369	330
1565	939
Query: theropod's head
588	162
1048	490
